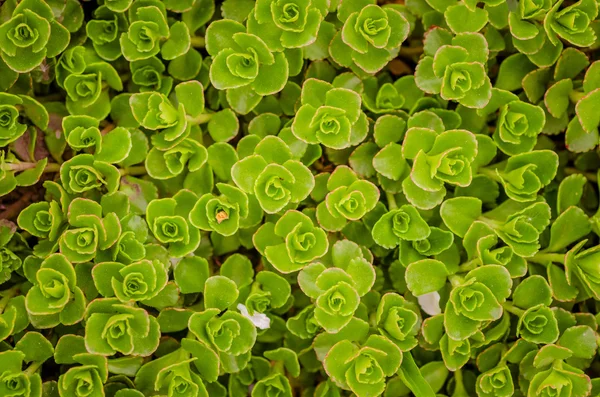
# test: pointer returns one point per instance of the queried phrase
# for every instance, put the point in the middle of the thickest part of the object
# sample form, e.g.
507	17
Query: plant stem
52	167
458	378
135	170
391	199
278	366
509	307
201	119
33	367
398	67
589	175
575	96
490	173
7	295
544	258
15	208
125	77
108	128
51	98
455	280
198	42
459	386
411	51
470	265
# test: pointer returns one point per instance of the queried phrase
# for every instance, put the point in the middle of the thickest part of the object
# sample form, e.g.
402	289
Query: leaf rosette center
573	20
400	322
222	333
367	369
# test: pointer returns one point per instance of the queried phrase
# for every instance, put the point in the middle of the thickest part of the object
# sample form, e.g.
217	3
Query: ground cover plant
308	198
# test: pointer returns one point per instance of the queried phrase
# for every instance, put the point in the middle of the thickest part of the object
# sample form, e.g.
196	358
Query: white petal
430	303
260	320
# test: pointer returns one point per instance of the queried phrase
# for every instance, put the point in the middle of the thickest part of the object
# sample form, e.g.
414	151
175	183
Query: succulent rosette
30	35
518	123
150	34
104	31
111	326
483	246
398	321
275	385
371	35
243	63
9	260
230	336
435	244
348	199
148	75
527	173
88	232
456	71
10	128
518	224
82	133
55	297
476	301
291	243
567	381
337	290
330	116
221	214
495	382
286	198
170	374
87	79
363	370
538	324
438	159
168	221
138	281
83	173
404	223
572	23
155	111
42	220
273	176
88	377
287	24
401	95
268	293
13	380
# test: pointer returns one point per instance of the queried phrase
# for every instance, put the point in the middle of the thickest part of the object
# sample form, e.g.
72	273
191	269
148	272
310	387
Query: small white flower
430	303
260	320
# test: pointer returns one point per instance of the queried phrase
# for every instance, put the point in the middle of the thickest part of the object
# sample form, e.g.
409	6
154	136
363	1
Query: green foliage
31	33
285	198
455	71
273	176
292	242
363	370
55	297
371	36
287	24
330	116
168	220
